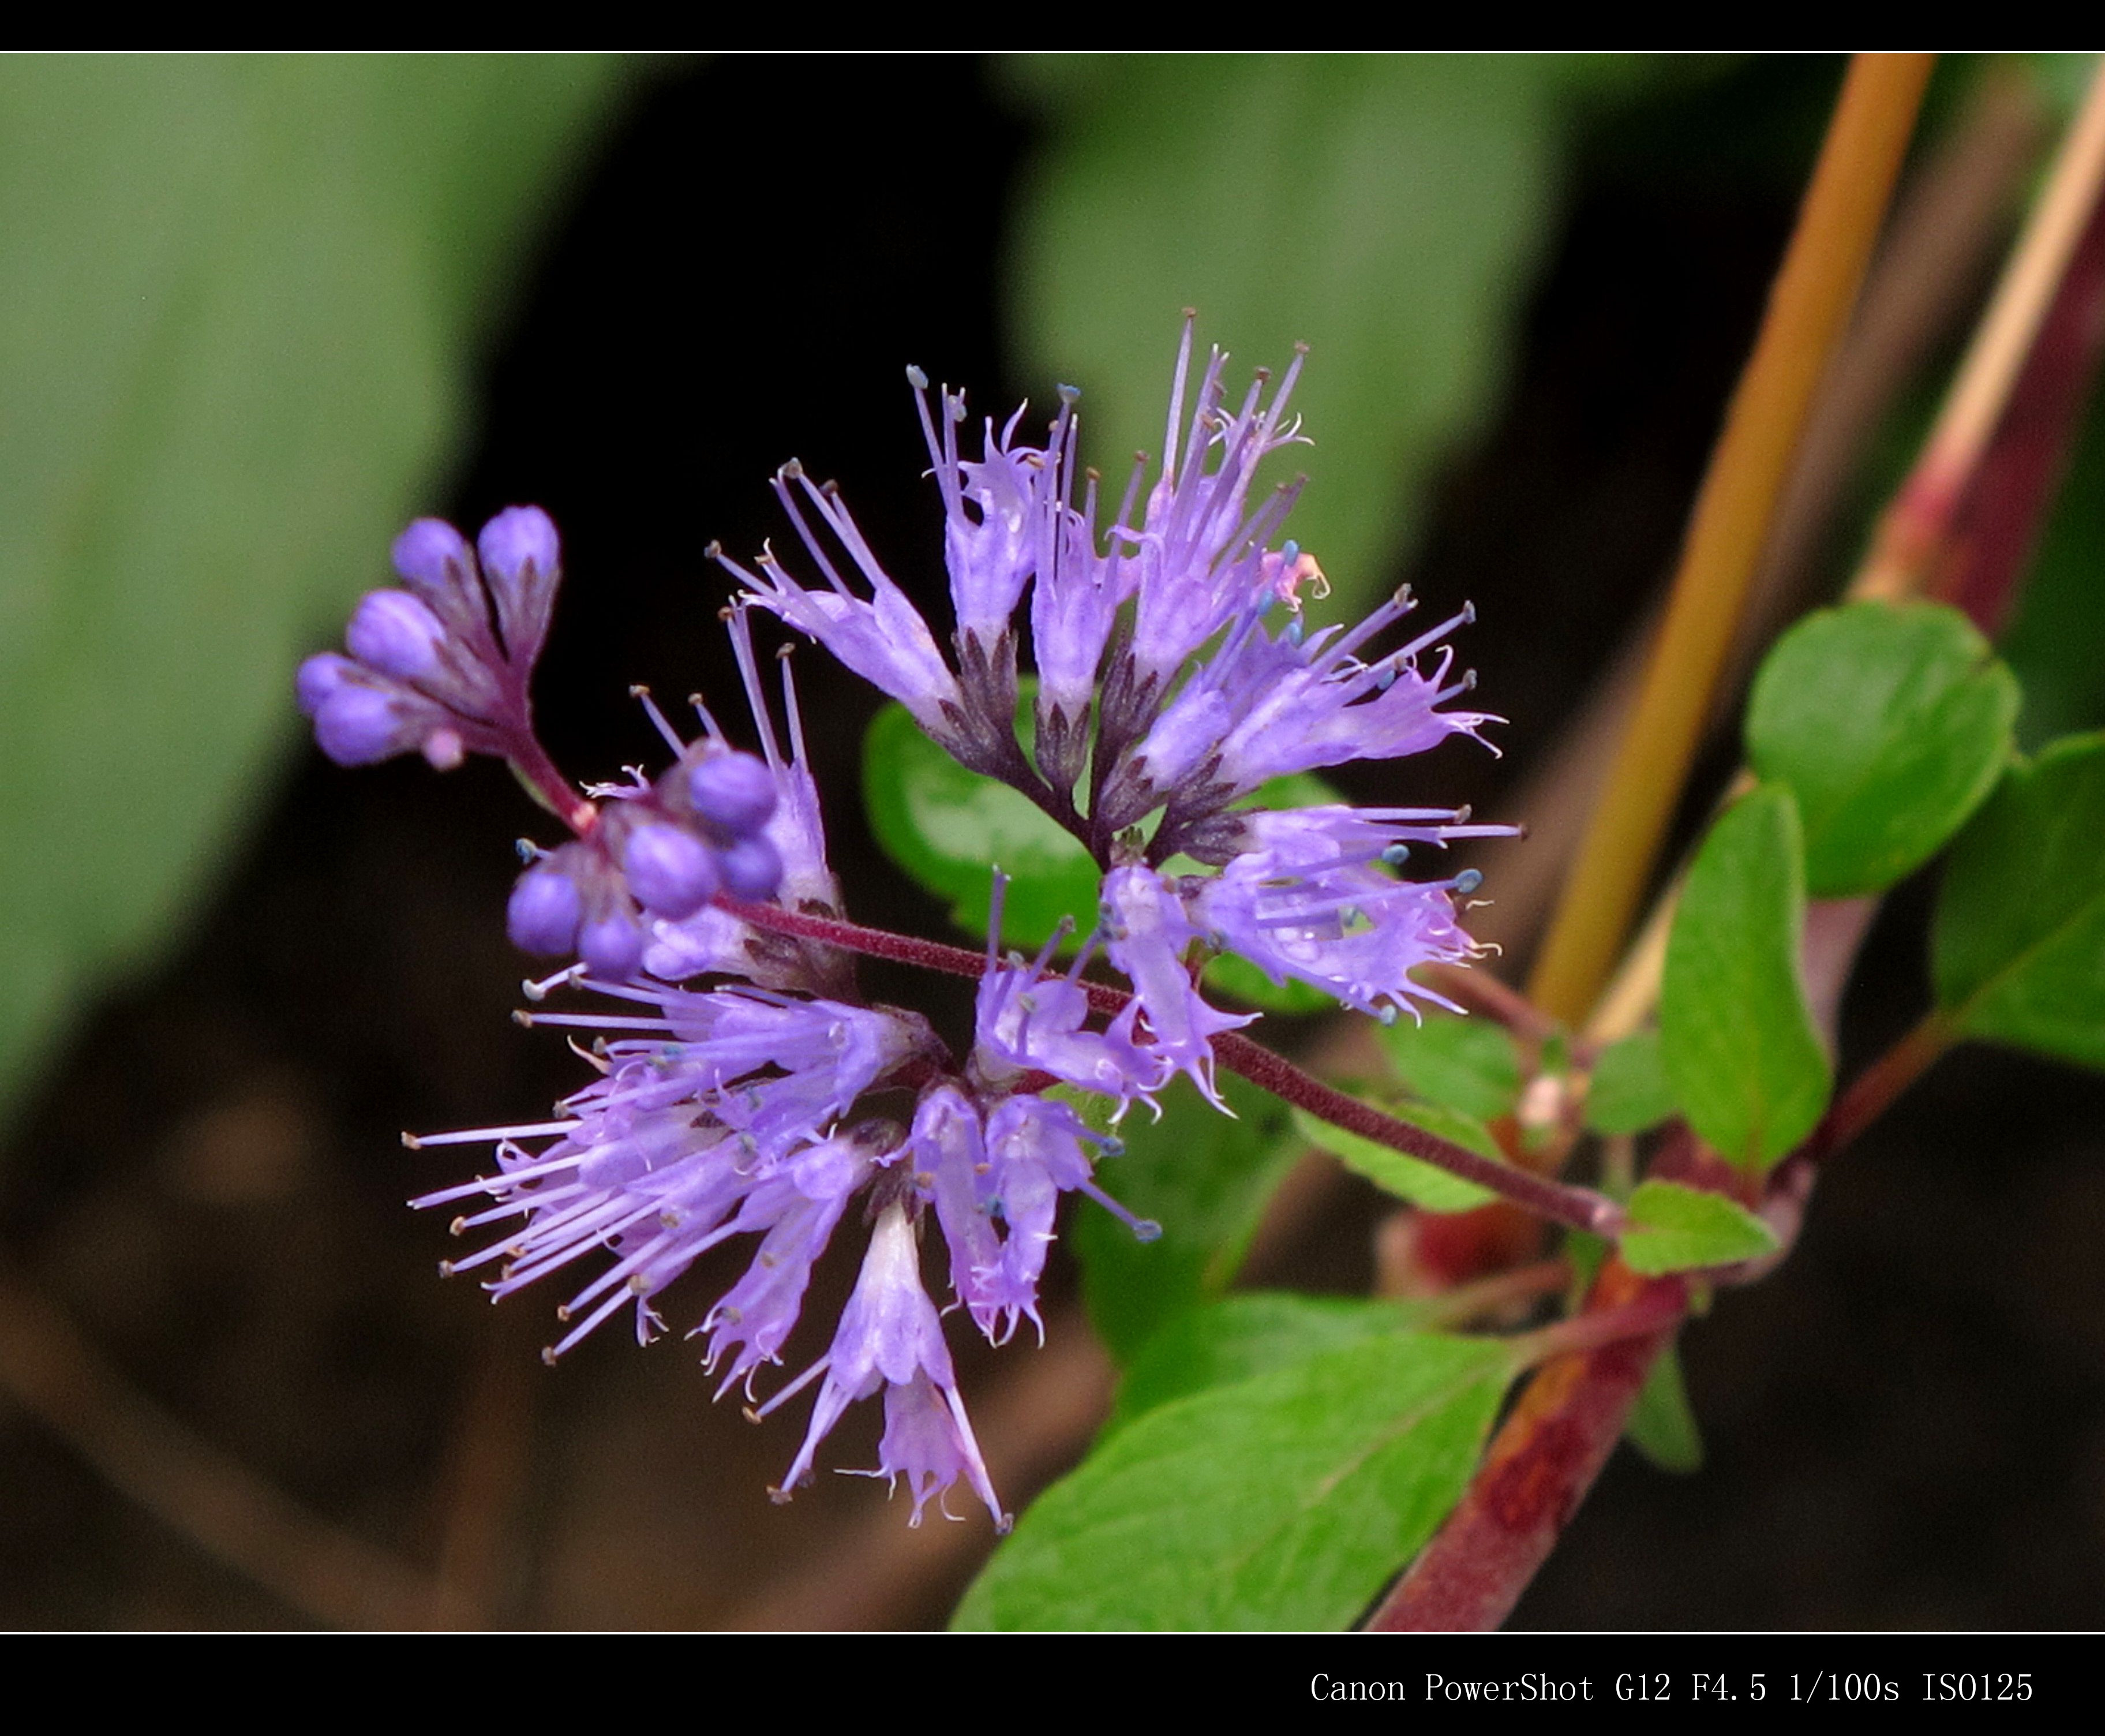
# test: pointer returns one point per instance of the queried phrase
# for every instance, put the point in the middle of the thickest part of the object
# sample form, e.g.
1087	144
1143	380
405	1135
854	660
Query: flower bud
320	676
518	539
395	634
735	791
670	872
433	558
612	946
751	867
360	725
544	912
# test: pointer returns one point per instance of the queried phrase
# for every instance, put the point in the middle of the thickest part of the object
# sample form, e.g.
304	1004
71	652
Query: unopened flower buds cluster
746	1088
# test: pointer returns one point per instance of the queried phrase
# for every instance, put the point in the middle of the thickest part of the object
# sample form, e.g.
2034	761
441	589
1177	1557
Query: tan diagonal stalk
1808	308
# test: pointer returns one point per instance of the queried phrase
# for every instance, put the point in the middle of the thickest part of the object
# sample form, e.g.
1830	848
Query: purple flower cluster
444	666
746	1088
1176	678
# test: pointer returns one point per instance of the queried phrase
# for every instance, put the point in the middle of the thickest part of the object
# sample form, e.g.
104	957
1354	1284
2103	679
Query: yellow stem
1809	307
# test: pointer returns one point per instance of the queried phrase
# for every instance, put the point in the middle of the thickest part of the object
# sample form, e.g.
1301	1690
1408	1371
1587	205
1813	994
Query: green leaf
1661	1425
1205	1178
1629	1091
241	309
1468	1064
1890	725
1675	1228
2018	952
1738	1041
1425	1185
1388	211
1242	1336
1283	1501
950	828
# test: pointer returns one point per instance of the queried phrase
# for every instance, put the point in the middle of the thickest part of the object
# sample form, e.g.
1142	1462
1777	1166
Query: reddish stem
1580	1208
1539	1467
1998	517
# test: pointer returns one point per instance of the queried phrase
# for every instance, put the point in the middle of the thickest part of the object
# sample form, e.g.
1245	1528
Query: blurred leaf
1675	1228
950	828
1389	211
1661	1424
239	309
1629	1091
2018	952
1468	1064
1890	725
1737	1039
1242	1336
1425	1185
1285	1501
1204	1177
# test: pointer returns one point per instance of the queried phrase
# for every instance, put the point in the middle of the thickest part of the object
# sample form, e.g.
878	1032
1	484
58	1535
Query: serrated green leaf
1204	1177
1661	1425
1467	1064
1890	724
950	828
1241	1336
1629	1091
1283	1501
1738	1039
240	308
1388	211
1425	1185
2017	952
1676	1229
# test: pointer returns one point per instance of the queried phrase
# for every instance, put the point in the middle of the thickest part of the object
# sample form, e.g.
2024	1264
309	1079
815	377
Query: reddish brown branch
1538	1469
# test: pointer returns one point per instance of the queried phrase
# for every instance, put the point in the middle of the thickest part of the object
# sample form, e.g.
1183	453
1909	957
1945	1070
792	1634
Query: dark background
1905	1424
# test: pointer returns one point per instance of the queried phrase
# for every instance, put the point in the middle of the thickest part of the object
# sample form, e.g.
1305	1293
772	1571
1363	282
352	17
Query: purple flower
713	1119
882	637
1147	935
889	1336
1028	1022
1312	897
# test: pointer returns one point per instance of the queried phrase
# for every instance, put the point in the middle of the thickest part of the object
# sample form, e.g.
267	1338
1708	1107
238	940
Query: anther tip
714	551
548	1356
522	1017
916	378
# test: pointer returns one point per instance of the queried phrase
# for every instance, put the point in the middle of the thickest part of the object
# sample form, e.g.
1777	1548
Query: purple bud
360	725
612	946
518	538
393	632
751	867
429	553
735	790
671	871
319	677
544	912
